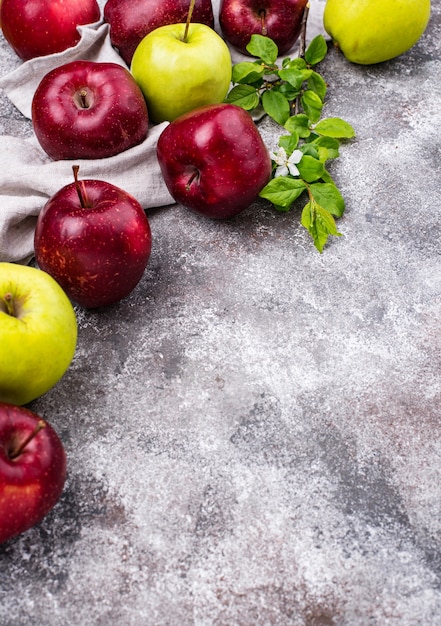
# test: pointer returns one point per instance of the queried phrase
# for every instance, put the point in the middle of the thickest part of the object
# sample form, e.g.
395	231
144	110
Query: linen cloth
28	177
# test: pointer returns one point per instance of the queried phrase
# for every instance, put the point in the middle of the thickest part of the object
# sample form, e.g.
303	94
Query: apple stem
262	14
81	190
189	16
83	98
13	454
191	179
9	302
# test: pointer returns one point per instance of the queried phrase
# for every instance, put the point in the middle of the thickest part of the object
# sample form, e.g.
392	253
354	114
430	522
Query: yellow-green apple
36	28
32	469
214	160
131	20
373	31
38	333
88	110
94	239
178	73
281	20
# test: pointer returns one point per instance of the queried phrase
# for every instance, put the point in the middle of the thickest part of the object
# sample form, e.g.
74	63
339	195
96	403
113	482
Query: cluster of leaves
293	95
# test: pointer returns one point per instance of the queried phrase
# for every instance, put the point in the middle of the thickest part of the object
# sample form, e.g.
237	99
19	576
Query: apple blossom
286	165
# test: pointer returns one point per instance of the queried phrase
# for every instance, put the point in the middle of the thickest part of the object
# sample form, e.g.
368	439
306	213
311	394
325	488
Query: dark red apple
214	160
32	469
88	110
281	20
131	20
36	28
94	239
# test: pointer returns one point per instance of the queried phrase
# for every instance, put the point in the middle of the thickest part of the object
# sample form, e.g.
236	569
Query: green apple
38	333
178	74
373	31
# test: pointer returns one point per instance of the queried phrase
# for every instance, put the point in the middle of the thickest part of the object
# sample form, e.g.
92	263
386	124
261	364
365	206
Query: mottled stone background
253	436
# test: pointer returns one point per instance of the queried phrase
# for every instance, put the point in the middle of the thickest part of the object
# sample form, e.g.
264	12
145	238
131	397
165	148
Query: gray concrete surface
253	436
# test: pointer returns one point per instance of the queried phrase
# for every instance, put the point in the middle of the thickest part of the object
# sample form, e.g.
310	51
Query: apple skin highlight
281	20
31	481
38	333
96	251
177	76
214	160
35	28
373	31
131	20
88	110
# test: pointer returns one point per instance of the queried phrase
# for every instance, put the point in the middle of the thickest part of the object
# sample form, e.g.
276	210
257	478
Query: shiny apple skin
239	19
38	333
214	160
36	28
113	119
131	20
177	76
97	253
32	482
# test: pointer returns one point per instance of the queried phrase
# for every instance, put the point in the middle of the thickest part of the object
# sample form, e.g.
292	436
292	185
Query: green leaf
276	105
312	105
295	77
310	169
298	124
312	137
283	191
289	142
244	96
319	223
247	72
263	48
288	91
334	127
323	154
329	145
316	51
310	149
317	85
327	178
297	63
328	196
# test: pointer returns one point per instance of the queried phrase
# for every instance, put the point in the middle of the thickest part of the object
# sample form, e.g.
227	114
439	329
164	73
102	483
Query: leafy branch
293	95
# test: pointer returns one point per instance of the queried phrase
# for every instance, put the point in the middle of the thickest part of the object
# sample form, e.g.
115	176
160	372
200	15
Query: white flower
286	165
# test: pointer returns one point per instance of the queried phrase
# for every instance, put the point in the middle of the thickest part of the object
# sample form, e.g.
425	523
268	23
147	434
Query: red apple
131	20
94	239
281	20
32	469
36	28
214	160
88	110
